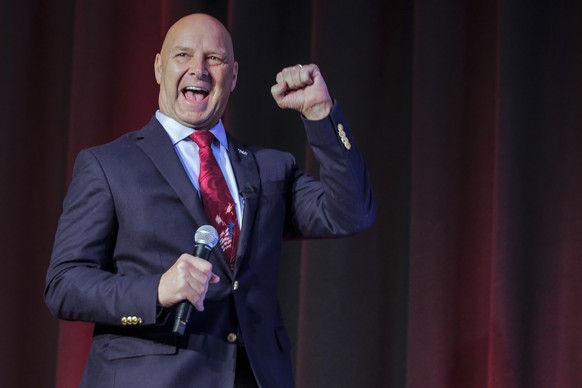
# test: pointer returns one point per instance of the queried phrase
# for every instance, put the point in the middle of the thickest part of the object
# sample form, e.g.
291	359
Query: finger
306	75
296	74
199	305
214	279
197	294
293	76
278	90
286	77
198	301
199	282
199	266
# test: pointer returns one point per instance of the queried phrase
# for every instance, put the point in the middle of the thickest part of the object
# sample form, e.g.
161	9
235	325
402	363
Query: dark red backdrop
468	113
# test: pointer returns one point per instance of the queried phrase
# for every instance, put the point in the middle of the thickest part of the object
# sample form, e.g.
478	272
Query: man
120	255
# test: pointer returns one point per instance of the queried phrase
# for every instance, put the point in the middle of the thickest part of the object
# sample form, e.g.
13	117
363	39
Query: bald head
196	71
197	22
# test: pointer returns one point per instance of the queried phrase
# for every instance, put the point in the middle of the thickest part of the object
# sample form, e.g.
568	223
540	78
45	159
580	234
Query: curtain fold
468	113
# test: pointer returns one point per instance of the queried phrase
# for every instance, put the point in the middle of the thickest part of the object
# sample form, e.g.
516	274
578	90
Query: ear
234	76
158	68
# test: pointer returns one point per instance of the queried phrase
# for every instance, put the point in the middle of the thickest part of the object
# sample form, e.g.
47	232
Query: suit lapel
156	144
249	185
154	141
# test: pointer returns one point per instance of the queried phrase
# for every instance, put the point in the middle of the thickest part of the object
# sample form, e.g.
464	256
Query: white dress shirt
187	151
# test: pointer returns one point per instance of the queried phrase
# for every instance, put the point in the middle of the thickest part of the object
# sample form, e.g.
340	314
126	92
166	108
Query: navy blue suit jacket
131	211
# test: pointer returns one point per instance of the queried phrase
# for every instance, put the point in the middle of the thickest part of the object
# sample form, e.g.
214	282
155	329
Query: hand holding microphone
186	282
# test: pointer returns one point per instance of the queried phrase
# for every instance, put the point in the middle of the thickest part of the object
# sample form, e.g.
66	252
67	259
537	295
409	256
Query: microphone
247	191
205	239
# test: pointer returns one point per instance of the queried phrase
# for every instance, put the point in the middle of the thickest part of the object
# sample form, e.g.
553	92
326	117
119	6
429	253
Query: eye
214	60
181	56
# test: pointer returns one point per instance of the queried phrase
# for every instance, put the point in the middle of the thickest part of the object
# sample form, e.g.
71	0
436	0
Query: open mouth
194	93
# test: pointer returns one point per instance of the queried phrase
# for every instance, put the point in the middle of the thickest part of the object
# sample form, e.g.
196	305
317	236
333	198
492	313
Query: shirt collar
179	132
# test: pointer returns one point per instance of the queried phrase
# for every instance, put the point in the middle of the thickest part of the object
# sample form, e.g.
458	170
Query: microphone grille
207	235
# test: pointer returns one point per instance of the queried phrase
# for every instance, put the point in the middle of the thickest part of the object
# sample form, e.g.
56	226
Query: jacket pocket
116	348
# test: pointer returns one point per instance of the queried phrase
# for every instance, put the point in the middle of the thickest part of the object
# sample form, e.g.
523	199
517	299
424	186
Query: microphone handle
185	308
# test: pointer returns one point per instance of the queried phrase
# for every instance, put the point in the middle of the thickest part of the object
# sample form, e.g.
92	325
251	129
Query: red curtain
468	113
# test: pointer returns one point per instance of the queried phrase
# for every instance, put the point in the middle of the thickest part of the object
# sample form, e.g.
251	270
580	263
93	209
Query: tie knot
203	138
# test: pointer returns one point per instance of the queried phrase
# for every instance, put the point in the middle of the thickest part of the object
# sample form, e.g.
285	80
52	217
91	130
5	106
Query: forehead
198	34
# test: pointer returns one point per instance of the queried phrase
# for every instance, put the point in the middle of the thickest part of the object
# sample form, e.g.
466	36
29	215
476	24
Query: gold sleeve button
347	143
343	136
131	321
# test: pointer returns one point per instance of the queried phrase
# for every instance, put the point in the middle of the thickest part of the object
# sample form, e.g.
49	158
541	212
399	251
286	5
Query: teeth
195	89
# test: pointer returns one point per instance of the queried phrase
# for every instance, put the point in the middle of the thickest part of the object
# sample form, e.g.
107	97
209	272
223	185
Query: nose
198	68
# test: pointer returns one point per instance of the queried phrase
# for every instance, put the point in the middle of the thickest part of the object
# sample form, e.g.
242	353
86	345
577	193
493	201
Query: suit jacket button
231	338
235	285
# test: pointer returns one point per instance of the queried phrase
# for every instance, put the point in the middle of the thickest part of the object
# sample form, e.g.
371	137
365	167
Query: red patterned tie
216	198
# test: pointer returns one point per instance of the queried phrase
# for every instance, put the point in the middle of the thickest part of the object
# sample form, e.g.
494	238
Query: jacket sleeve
340	203
82	283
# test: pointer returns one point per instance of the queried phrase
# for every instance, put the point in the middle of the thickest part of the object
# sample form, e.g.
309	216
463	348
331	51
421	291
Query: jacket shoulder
122	144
